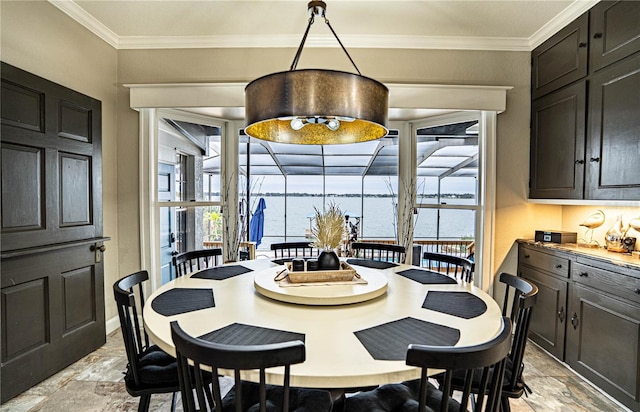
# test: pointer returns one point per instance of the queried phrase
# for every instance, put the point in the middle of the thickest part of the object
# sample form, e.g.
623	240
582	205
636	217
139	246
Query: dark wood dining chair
292	250
149	370
519	300
455	266
194	260
379	251
484	363
196	395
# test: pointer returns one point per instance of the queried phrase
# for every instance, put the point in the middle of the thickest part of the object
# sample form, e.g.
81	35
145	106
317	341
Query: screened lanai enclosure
361	179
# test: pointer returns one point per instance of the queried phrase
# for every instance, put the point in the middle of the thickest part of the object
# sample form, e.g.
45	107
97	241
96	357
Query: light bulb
297	123
333	124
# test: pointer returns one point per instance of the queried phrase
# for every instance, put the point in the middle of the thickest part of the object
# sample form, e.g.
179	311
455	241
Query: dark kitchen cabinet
550	274
588	150
603	331
557	144
615	32
613	144
588	313
562	59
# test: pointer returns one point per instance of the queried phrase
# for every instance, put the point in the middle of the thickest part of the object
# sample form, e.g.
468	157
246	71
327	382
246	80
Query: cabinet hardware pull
526	256
561	315
579	162
582	45
558	266
637	291
594	159
583	274
574	320
597	35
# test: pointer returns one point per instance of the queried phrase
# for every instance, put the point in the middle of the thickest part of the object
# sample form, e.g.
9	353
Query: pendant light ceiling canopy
315	106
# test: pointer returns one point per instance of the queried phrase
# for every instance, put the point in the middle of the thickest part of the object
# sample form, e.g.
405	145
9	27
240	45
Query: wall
572	216
38	38
515	218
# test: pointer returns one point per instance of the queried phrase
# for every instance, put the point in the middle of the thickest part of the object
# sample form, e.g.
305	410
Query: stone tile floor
95	384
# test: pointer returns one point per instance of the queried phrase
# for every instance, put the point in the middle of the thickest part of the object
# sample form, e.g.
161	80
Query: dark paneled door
52	284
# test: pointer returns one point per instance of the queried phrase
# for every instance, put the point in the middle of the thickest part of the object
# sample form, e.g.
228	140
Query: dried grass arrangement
328	230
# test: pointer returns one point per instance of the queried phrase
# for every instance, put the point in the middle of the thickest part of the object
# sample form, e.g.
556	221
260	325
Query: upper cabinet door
615	32
613	142
562	59
557	144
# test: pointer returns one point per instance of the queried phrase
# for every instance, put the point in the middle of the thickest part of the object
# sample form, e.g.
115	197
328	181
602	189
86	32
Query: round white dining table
341	339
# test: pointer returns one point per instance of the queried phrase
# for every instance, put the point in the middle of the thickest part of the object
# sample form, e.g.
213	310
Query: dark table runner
389	341
182	300
461	304
427	277
221	272
374	264
241	334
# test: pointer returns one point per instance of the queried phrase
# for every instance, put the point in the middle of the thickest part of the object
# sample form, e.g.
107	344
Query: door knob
97	249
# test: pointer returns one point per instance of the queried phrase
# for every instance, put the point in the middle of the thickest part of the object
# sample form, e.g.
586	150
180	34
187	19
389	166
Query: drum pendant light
315	106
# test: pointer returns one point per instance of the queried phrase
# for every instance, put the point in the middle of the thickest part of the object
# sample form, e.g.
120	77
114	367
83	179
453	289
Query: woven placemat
389	341
182	300
241	334
427	277
221	272
461	304
374	264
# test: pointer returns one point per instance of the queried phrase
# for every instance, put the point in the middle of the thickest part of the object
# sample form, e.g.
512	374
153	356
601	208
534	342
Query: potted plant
328	233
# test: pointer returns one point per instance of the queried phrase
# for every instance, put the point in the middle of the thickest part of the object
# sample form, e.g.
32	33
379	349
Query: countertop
627	260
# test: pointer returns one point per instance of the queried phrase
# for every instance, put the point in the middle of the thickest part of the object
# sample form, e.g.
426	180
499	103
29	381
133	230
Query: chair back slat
232	357
456	266
135	338
488	359
194	260
523	295
379	251
294	249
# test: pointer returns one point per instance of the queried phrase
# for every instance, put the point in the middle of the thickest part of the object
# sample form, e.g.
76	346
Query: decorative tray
344	274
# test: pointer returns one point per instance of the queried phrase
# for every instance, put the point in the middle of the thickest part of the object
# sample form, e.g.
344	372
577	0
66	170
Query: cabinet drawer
616	284
543	261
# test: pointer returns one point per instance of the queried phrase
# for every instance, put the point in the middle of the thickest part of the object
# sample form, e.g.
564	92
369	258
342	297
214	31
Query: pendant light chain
294	64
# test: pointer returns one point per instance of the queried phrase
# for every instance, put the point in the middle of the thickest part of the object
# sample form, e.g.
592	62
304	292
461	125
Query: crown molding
78	14
566	16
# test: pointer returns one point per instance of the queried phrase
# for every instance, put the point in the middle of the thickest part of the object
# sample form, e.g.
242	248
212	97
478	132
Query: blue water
377	220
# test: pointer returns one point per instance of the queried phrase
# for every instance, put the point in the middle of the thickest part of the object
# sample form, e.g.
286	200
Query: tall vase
328	260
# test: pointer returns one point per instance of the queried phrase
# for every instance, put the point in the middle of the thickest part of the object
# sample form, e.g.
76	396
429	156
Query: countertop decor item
615	237
592	222
315	106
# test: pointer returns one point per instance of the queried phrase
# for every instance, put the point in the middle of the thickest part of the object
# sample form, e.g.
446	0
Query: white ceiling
450	24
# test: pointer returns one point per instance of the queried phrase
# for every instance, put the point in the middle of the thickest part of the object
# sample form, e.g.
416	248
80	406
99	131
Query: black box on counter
555	236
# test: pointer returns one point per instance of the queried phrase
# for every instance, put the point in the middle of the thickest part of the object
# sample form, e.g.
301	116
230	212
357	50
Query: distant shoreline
382	195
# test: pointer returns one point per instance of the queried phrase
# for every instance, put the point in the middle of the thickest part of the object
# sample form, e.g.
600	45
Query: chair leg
174	399
504	404
143	406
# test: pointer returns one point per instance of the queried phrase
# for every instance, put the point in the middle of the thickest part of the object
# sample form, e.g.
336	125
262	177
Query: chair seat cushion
395	397
300	400
156	368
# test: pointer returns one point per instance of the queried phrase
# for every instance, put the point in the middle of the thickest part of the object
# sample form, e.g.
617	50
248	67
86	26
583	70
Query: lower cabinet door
549	316
603	334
